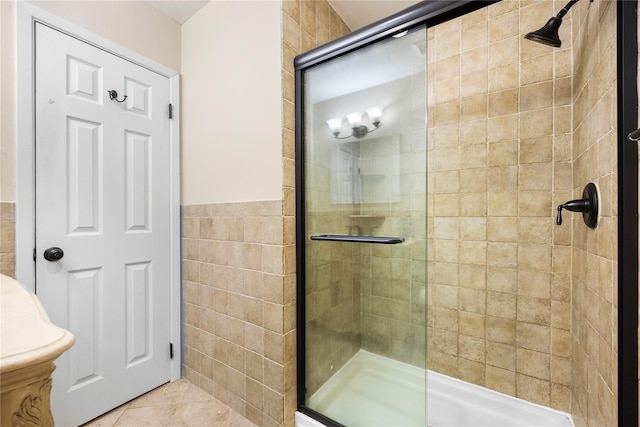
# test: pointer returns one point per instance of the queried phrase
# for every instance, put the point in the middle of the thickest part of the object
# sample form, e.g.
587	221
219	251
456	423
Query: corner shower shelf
358	239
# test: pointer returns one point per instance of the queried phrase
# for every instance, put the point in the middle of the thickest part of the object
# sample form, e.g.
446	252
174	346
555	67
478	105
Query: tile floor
174	404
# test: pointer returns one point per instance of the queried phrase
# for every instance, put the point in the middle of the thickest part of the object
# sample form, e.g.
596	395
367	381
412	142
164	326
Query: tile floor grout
179	403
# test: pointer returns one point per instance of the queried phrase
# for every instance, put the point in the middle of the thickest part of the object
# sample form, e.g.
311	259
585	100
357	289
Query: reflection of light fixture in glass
358	130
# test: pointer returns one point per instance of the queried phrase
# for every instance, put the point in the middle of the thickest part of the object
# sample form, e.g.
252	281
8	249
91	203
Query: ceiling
355	13
179	10
358	13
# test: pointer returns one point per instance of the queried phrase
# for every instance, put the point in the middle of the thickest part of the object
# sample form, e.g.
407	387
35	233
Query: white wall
7	102
231	88
231	98
132	24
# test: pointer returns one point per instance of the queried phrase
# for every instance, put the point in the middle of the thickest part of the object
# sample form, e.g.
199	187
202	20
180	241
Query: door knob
53	254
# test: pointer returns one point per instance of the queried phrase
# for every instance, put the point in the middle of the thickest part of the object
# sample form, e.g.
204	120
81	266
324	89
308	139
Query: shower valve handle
588	205
578	205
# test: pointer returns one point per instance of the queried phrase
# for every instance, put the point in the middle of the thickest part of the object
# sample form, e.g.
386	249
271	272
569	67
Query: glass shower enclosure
433	285
362	221
365	233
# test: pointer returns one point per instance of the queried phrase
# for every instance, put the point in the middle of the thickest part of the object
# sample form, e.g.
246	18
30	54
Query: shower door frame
432	13
628	120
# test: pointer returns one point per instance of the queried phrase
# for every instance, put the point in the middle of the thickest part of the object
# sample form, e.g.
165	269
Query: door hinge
170	350
34	255
171	111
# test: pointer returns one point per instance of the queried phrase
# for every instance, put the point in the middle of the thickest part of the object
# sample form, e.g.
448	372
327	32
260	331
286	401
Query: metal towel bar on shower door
358	239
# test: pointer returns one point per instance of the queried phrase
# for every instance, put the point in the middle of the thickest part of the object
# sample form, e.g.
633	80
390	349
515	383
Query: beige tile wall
392	298
8	239
499	161
594	274
333	310
239	319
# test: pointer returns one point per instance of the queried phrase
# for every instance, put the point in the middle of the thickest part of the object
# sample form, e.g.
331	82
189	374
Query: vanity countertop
27	337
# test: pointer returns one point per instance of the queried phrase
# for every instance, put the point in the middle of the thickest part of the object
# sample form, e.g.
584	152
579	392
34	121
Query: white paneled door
102	198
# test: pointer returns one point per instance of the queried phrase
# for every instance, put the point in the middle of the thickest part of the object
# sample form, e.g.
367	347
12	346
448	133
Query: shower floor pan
375	391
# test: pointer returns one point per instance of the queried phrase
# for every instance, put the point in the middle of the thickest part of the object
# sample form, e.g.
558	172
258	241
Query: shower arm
565	9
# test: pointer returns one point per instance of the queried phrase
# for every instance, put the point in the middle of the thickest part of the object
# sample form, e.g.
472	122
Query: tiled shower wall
499	268
333	308
8	239
594	275
393	277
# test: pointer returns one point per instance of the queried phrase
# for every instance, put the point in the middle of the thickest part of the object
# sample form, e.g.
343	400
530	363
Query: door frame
26	17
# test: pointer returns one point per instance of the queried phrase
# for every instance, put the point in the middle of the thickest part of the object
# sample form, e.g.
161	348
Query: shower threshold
375	391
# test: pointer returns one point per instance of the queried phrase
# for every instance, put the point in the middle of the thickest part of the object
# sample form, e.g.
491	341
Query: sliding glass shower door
365	206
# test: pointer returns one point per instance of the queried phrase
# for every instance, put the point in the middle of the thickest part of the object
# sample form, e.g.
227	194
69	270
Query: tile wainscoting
239	307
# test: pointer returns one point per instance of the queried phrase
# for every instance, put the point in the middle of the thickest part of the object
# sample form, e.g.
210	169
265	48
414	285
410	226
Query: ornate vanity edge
30	345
